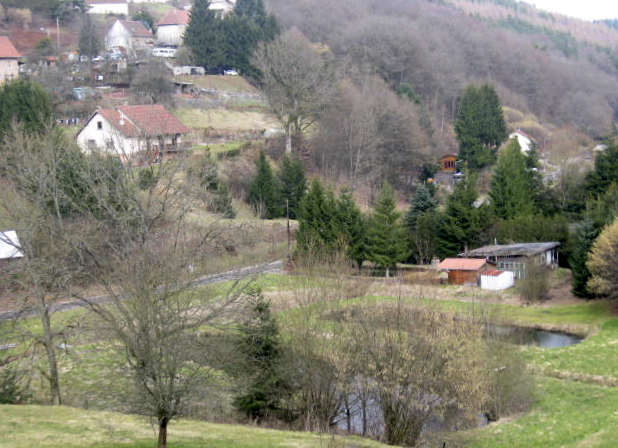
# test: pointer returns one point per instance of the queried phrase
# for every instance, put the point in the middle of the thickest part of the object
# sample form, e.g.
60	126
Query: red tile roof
462	264
493	273
7	50
137	29
148	120
174	17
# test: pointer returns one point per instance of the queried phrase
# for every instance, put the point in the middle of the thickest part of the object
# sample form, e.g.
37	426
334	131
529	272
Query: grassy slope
40	426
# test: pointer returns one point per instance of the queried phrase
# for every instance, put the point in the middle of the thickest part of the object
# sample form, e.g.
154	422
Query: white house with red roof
524	140
133	133
130	35
9	56
171	27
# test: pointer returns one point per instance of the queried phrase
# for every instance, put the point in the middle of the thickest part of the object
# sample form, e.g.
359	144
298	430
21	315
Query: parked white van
161	52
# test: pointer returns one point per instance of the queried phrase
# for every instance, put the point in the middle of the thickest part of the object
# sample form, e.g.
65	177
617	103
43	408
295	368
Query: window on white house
99	125
109	144
92	144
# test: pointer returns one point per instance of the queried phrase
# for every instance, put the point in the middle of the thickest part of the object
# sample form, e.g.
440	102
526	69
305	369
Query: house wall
170	34
118	36
463	277
498	282
109	8
107	139
447	163
524	142
9	69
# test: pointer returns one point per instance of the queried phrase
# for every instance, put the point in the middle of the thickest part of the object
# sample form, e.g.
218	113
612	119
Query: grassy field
576	393
40	426
225	119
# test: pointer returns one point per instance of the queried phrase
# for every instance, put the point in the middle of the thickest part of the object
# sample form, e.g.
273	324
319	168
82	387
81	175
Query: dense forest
562	71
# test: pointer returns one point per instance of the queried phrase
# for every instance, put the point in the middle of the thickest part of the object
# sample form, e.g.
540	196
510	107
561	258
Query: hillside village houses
135	134
129	35
171	27
9	56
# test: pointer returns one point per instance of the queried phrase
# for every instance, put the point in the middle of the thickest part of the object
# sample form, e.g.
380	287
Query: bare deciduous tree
299	83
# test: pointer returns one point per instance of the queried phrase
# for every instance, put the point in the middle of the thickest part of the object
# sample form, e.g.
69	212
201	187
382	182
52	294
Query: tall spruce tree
318	236
203	36
512	185
461	223
480	126
386	235
605	171
421	223
292	183
263	192
421	203
580	274
89	43
353	226
260	349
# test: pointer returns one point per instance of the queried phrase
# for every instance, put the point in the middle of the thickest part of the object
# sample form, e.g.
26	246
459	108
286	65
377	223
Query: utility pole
58	31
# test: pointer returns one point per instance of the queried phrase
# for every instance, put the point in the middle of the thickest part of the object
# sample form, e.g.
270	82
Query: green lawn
567	414
41	426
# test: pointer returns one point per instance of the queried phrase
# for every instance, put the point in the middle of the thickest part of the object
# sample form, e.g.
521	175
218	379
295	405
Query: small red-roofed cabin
464	271
497	280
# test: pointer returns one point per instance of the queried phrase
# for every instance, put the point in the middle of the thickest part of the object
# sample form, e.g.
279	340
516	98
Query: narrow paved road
274	267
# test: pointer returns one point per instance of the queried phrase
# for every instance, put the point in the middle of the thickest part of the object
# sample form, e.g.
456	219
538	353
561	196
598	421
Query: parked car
231	72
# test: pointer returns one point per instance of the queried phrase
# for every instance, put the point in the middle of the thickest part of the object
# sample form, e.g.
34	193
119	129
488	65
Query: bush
147	179
12	387
534	287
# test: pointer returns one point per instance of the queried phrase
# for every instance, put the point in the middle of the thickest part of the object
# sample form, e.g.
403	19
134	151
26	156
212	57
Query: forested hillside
563	71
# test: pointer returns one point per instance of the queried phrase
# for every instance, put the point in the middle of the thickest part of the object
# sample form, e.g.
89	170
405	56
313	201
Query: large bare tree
298	81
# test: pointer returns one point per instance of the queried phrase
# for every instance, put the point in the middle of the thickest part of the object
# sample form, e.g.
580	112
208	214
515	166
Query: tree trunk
162	443
288	141
48	343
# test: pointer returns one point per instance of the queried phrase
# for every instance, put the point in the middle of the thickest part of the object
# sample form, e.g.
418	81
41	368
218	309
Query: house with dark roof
519	257
171	27
133	133
9	56
464	271
129	35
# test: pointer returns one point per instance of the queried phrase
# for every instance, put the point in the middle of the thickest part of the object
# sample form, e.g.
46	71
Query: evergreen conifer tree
461	223
203	35
512	184
584	239
317	235
26	103
260	348
292	183
421	203
353	226
480	126
386	234
263	194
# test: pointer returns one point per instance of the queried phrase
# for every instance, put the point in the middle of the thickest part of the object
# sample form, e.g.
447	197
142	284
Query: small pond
533	336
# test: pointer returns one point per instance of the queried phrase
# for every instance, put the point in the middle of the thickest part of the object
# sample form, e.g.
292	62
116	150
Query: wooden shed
448	163
464	271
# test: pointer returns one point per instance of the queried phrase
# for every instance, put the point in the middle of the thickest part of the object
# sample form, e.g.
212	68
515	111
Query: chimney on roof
122	117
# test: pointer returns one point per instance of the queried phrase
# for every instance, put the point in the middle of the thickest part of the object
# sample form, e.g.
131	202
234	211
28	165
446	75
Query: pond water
533	336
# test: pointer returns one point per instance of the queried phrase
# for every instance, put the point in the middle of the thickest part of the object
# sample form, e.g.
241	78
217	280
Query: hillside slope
564	71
